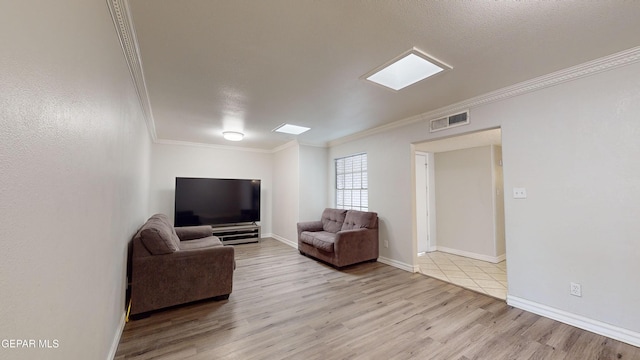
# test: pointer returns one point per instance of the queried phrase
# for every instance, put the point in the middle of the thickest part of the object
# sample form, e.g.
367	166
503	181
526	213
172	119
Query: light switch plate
519	193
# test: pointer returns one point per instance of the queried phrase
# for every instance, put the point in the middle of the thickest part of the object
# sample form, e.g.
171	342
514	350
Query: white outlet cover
576	289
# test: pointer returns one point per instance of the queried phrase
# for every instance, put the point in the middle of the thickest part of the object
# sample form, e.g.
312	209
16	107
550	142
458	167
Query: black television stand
237	234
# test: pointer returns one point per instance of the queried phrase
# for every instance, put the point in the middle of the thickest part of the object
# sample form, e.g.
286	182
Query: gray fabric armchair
172	266
341	237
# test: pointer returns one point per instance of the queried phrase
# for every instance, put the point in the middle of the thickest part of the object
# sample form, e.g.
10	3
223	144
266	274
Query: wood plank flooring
287	306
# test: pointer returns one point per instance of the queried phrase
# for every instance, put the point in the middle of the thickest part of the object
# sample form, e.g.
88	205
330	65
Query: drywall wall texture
74	159
169	161
575	149
313	182
465	201
286	193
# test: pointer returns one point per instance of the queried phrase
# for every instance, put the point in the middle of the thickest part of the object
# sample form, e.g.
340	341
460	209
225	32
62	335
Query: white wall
314	182
465	201
170	161
575	147
286	194
74	159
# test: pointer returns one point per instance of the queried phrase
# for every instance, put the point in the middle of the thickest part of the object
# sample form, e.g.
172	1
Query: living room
81	173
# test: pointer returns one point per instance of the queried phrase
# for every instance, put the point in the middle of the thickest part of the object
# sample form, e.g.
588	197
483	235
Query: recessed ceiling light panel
291	129
407	69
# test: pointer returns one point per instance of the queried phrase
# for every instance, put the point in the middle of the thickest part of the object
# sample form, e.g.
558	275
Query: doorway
457	180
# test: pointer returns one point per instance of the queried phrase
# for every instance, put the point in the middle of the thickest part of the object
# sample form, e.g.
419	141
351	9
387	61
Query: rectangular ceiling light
407	69
291	129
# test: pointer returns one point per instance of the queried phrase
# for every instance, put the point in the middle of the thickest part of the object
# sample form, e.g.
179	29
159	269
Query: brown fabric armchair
341	237
172	266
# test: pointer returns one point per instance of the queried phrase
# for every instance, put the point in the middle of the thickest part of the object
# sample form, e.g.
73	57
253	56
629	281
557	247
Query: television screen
201	201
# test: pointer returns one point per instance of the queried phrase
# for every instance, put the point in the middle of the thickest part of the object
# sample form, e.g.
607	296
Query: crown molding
284	146
317	145
603	64
120	14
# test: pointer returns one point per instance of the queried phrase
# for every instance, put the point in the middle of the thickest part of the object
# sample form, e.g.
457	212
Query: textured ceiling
250	66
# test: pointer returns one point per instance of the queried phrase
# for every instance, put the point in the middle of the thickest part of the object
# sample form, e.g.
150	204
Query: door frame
424	172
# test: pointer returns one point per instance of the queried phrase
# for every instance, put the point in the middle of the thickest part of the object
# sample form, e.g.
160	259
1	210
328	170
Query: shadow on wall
383	236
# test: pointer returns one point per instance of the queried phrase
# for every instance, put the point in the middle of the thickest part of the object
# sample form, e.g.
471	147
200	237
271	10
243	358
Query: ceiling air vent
449	121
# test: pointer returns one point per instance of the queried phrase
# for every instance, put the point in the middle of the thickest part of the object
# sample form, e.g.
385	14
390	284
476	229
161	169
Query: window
351	183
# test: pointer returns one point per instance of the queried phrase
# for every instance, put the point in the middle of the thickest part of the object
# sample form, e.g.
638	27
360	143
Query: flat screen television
217	202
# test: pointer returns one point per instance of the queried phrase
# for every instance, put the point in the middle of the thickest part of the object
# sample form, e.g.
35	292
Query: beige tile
455	273
489	284
479	275
429	266
445	267
493	270
437	274
469	268
464	282
499	293
485	265
461	261
476	288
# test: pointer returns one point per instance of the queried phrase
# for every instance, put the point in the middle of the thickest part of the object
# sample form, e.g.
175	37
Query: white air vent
449	121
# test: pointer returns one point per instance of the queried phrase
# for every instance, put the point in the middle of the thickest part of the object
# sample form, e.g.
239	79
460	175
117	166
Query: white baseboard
397	264
594	326
116	338
491	259
293	244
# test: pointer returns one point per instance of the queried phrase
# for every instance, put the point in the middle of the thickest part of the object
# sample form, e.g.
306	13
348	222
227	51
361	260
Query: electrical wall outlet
386	244
576	289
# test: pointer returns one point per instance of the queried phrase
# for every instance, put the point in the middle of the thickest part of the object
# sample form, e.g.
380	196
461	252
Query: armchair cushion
322	240
332	219
158	236
196	244
193	232
359	220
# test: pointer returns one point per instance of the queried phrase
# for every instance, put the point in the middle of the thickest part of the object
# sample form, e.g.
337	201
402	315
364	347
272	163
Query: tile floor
477	275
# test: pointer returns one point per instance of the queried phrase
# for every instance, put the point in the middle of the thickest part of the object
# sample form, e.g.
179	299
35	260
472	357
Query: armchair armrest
353	245
194	232
309	226
164	280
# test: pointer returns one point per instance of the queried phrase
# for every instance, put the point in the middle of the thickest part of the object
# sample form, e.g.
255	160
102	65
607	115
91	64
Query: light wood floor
286	306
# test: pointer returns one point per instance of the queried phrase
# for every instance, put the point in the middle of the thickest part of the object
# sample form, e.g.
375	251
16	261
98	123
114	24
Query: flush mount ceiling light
406	69
291	129
233	135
